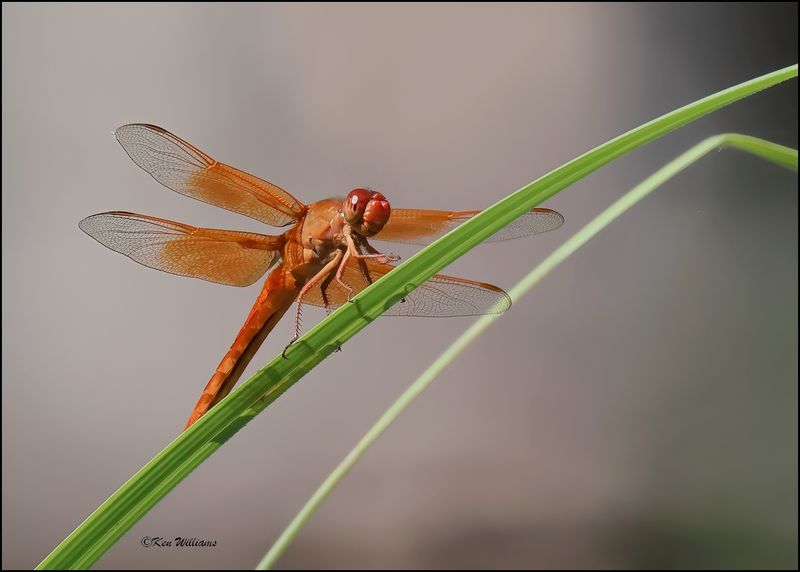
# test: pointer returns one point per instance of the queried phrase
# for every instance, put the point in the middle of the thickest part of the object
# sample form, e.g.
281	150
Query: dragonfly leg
340	272
375	252
381	257
352	252
319	276
323	288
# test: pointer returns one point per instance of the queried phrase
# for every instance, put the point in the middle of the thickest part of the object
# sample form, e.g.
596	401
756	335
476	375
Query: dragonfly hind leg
323	274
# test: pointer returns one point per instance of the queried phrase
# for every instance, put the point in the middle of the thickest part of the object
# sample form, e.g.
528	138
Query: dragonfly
323	259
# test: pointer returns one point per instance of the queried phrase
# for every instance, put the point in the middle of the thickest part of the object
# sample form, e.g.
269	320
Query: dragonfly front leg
352	252
378	254
316	279
381	257
363	266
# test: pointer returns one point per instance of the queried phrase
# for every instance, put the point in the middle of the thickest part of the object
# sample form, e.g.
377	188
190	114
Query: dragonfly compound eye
355	204
376	214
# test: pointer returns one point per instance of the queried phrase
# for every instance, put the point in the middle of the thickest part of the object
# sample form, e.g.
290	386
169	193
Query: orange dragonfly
323	259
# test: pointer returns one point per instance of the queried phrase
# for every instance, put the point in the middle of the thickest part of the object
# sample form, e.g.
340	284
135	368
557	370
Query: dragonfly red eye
376	214
355	204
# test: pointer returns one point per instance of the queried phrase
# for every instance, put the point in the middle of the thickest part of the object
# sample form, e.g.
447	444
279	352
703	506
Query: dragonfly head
366	211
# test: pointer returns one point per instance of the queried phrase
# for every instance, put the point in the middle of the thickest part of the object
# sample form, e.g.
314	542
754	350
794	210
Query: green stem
783	156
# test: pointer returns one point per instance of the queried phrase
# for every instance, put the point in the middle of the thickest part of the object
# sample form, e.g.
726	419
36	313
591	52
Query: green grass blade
783	156
130	502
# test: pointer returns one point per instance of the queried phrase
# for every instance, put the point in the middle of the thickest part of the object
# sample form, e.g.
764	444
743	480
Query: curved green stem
783	156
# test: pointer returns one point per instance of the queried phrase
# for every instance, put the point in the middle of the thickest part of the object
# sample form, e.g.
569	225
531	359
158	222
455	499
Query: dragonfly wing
185	169
440	297
419	226
222	256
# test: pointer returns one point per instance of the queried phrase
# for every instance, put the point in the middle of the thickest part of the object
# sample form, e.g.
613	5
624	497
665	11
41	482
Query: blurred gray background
637	409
